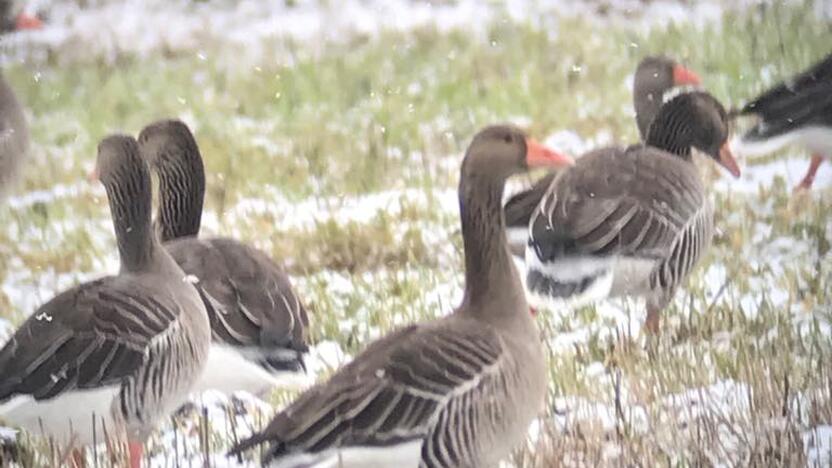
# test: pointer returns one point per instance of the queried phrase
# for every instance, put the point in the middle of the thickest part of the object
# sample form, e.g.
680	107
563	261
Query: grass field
341	158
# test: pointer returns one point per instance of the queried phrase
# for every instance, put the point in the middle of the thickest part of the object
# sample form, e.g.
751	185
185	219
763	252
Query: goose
14	137
10	22
798	110
655	76
258	323
456	391
630	221
119	352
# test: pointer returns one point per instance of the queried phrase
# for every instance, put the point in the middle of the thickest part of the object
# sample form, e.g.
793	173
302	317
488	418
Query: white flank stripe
596	291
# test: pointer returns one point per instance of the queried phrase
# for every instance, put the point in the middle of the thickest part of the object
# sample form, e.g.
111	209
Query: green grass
396	111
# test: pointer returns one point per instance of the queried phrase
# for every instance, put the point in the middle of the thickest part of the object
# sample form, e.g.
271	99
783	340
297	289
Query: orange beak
538	155
683	76
24	21
726	159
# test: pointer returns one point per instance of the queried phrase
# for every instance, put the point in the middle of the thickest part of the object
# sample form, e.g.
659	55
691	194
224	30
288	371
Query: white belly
67	417
406	455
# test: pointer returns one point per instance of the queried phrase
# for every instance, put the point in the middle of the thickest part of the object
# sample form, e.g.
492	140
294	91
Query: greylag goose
654	77
119	352
797	110
457	391
630	221
258	323
14	137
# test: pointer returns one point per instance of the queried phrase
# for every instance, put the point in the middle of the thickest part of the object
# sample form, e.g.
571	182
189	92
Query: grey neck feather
488	266
648	96
672	129
646	105
181	194
129	195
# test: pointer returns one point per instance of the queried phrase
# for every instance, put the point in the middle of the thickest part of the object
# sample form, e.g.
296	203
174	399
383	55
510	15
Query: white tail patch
609	276
404	455
569	269
228	370
597	290
67	417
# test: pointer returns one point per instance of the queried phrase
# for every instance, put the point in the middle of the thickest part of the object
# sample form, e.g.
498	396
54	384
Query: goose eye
508	138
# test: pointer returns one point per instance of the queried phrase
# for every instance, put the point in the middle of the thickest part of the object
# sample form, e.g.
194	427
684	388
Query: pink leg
806	183
136	451
78	460
655	306
652	323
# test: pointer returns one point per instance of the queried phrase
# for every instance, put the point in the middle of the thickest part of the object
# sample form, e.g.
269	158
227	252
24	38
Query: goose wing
87	337
392	393
630	202
770	102
250	300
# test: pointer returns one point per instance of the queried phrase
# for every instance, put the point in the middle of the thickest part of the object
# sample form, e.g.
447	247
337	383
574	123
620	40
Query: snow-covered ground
251	31
613	317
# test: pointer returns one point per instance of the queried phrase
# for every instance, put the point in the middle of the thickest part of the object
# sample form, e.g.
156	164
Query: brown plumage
654	77
258	323
457	391
123	349
630	221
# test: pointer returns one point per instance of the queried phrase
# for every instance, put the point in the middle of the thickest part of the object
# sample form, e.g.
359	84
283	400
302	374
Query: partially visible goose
258	323
10	22
654	77
457	391
630	221
123	350
14	137
798	110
